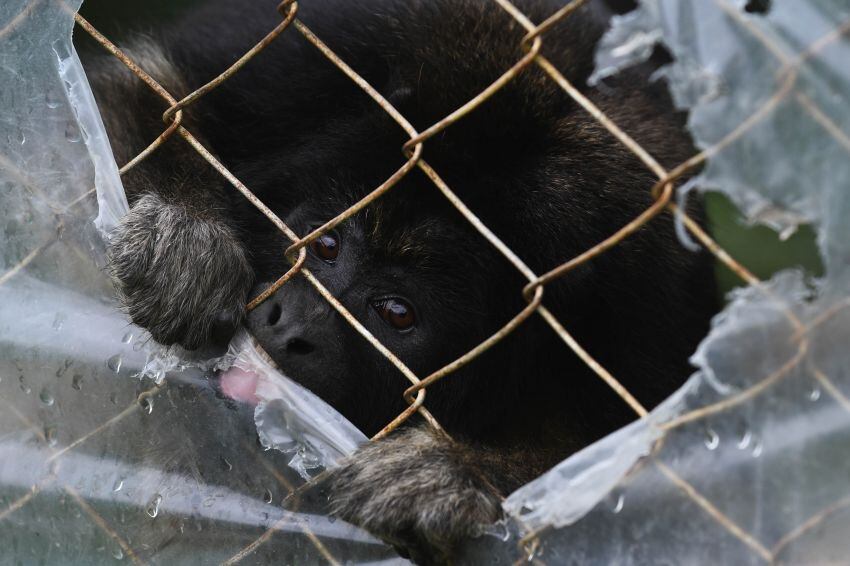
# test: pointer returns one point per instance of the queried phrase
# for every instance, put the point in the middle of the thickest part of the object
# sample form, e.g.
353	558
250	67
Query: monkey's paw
183	276
418	491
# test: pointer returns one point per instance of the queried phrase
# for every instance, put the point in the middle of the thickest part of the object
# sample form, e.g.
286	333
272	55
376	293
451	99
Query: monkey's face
418	280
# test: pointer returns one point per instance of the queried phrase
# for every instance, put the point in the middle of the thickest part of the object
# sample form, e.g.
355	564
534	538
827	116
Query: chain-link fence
63	445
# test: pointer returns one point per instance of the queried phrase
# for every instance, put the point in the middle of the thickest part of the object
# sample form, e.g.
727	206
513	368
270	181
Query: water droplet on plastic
209	501
118	554
46	397
52	100
50	435
758	447
77	381
59	321
60	371
267	496
72	132
147	405
745	440
618	504
118	486
814	394
127	337
712	441
113	398
227	465
152	508
114	363
138	345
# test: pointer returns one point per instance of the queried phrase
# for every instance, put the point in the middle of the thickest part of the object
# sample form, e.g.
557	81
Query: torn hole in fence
744	464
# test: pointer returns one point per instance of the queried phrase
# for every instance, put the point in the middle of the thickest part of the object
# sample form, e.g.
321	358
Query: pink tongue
239	385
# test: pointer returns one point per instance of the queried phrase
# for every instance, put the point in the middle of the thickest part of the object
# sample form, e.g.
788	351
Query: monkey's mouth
239	385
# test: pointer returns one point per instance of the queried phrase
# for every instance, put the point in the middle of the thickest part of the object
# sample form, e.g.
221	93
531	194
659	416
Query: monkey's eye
396	312
326	247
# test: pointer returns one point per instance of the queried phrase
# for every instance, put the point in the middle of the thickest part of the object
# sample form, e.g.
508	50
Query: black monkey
535	167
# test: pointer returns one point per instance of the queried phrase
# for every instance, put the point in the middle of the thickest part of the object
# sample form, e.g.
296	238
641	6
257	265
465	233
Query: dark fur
540	172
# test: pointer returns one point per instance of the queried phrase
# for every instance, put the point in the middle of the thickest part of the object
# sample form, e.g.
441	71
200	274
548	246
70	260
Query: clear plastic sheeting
97	464
782	76
748	462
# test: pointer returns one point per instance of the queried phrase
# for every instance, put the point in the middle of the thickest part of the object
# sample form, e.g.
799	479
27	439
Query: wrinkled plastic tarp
112	448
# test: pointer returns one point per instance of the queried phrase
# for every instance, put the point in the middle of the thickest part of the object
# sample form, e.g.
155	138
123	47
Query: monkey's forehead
420	234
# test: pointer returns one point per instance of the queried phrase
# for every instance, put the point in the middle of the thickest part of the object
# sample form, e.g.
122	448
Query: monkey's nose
282	333
290	325
274	314
299	346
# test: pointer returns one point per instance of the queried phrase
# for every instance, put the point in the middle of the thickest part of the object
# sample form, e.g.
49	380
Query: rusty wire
218	166
662	193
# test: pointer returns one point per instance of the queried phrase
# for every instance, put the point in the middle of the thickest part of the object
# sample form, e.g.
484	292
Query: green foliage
757	247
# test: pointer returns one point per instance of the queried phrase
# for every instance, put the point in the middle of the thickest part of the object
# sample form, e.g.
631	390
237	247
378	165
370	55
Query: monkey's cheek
239	385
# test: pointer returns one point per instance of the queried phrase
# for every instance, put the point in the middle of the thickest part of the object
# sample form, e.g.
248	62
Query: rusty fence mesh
415	395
